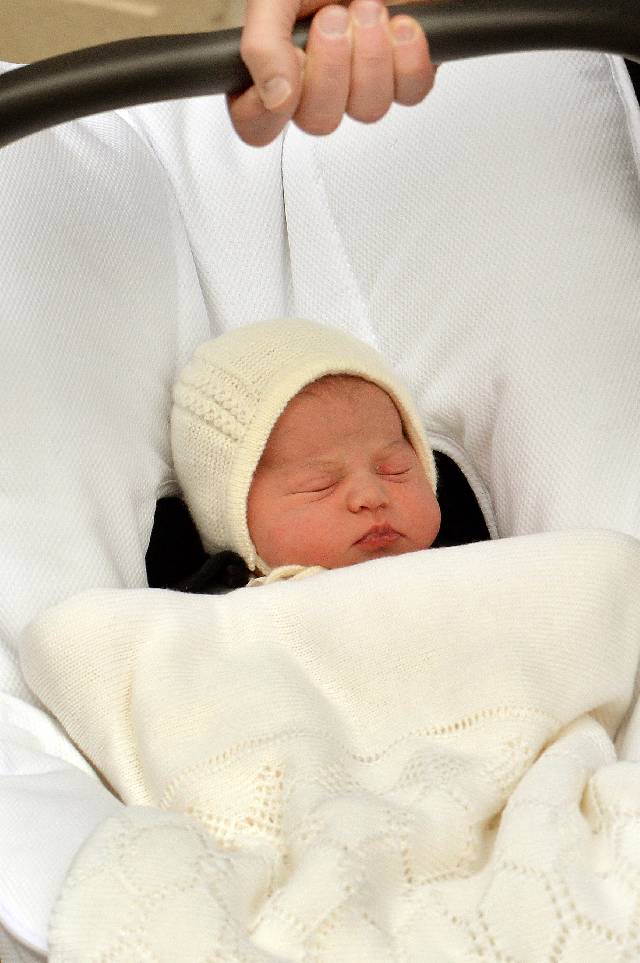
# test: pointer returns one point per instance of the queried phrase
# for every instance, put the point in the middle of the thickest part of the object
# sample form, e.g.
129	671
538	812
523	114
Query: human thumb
269	53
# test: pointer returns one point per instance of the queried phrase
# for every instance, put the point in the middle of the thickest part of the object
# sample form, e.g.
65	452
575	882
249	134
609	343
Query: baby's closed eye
397	468
314	486
317	489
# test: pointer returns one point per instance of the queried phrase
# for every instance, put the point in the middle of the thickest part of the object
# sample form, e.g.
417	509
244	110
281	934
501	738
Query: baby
296	447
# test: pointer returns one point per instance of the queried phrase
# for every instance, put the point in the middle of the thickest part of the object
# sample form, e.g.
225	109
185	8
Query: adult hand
358	61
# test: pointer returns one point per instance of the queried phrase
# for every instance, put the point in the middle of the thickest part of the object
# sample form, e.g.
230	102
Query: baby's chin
355	554
363	553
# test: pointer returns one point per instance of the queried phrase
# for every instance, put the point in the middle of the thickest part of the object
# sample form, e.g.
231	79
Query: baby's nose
367	491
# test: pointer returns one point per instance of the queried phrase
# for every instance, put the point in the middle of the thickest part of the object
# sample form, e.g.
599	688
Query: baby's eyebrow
325	464
393	444
330	464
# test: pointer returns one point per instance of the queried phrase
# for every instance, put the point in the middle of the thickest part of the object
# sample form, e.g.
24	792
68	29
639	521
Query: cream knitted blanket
423	759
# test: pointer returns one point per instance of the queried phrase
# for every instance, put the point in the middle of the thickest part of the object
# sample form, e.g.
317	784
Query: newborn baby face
338	482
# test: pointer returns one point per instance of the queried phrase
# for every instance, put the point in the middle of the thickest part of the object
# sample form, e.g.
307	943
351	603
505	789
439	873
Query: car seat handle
150	69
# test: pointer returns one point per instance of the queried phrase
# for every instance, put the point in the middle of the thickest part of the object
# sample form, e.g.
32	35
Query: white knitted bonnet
228	398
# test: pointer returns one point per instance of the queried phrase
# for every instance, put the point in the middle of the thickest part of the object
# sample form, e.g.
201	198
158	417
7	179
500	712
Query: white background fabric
487	241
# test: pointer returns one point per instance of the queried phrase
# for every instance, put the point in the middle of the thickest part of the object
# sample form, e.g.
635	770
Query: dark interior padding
634	73
175	551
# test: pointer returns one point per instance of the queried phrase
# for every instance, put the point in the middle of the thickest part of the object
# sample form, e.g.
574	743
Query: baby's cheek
434	524
436	519
315	538
263	523
286	536
276	542
426	512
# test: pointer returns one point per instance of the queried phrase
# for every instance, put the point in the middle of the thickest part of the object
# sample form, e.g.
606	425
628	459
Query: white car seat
487	241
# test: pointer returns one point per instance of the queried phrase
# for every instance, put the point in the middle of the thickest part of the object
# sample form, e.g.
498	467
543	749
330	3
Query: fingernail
275	92
333	22
404	32
367	13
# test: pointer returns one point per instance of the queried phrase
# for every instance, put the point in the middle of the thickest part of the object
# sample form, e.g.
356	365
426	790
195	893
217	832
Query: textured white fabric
228	398
11	951
102	301
139	233
423	769
50	801
488	244
101	306
286	573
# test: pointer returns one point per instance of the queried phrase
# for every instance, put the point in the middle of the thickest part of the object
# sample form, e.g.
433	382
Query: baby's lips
378	535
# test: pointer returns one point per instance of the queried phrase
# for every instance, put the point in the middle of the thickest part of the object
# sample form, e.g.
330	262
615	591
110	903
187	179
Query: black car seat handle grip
150	69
